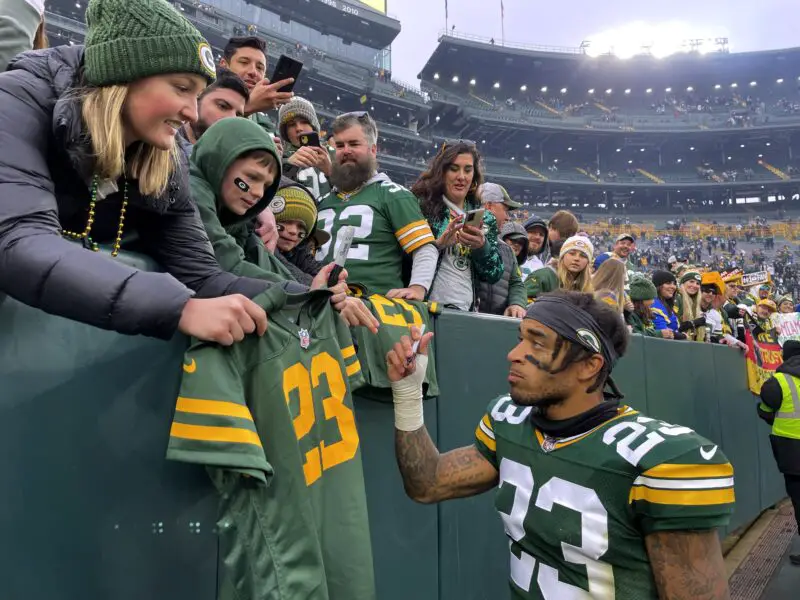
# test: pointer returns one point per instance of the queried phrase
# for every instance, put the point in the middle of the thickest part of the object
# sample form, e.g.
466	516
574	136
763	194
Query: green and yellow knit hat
132	39
293	202
691	275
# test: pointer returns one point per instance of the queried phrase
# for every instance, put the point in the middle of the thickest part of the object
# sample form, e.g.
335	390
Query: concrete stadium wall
91	510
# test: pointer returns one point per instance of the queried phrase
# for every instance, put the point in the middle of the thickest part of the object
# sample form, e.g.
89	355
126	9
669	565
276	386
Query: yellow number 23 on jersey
297	378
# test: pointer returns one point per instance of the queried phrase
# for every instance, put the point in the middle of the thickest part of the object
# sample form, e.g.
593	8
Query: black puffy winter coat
46	170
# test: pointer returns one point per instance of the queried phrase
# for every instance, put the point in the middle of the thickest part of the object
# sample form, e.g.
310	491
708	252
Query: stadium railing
94	511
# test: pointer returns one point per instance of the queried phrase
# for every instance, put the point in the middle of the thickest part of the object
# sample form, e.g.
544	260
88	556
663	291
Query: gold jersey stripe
682	497
404	230
352	369
487	441
488	422
220	408
204	433
672	471
418	244
349	351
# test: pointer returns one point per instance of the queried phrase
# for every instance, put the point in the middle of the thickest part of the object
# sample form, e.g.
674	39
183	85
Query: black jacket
785	450
46	171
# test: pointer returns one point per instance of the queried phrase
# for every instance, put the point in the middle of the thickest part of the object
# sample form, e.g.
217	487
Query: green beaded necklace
88	242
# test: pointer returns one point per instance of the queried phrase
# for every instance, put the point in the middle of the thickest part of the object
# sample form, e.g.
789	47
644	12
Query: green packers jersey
396	316
576	511
272	418
388	223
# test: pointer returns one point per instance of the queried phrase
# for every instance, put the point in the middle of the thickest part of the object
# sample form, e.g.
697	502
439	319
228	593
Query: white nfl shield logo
305	339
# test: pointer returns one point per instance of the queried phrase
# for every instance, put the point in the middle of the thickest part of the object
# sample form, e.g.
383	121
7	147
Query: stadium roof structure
488	64
353	20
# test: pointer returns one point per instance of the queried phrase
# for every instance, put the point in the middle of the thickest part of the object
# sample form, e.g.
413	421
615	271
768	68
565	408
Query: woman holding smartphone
467	240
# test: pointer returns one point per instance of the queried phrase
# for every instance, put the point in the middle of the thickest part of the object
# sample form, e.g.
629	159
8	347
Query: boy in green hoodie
234	173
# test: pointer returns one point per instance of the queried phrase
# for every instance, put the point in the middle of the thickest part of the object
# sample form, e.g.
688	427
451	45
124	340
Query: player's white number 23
594	535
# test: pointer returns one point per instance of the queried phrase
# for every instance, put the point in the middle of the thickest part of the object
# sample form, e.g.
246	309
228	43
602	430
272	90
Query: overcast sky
749	25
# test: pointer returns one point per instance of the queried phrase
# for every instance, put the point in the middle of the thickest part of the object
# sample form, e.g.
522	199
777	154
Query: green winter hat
641	288
132	39
691	275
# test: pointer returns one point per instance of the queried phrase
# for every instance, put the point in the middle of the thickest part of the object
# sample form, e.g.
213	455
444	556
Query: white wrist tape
407	395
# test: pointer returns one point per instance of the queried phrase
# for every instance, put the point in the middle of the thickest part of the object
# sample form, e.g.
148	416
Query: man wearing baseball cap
496	200
624	246
536	228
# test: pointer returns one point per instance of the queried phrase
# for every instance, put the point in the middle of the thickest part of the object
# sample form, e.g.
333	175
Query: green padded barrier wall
631	376
405	544
471	351
91	510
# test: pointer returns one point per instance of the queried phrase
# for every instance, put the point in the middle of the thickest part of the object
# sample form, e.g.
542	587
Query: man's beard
352	175
539	403
199	127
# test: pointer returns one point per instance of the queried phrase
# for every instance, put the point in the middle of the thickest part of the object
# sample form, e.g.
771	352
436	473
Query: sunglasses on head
356	114
470	143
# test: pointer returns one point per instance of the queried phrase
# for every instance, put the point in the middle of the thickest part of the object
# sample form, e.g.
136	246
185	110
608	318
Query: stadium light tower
496	85
523	88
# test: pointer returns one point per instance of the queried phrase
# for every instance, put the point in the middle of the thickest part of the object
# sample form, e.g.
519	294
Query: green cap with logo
132	39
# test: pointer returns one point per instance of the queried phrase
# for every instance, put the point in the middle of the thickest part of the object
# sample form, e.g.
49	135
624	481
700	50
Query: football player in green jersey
387	217
597	500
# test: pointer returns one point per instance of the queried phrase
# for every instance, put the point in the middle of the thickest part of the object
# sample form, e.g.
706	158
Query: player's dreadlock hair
430	187
609	321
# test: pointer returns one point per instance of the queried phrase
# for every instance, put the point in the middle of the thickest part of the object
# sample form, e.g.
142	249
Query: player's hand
448	237
517	312
400	360
265	96
471	237
356	314
667	334
414	292
224	320
304	157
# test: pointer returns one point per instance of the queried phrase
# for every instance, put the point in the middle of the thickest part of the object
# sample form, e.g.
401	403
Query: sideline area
758	561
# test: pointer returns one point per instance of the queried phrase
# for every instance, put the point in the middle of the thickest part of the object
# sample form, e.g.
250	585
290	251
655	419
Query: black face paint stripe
539	365
241	184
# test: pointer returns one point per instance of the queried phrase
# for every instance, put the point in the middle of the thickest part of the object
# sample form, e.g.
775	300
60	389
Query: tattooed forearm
430	477
688	565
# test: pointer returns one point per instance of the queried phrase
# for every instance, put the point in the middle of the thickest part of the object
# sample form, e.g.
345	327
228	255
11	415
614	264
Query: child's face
245	183
290	234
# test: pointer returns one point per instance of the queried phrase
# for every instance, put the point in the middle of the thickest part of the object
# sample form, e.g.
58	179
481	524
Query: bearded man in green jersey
598	500
387	218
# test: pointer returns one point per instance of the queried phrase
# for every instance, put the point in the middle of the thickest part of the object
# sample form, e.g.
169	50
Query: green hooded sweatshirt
236	246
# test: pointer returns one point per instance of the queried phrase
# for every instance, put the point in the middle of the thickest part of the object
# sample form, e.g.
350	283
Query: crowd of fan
275	223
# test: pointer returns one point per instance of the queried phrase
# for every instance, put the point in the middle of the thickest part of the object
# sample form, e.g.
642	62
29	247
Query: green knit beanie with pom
641	288
132	39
